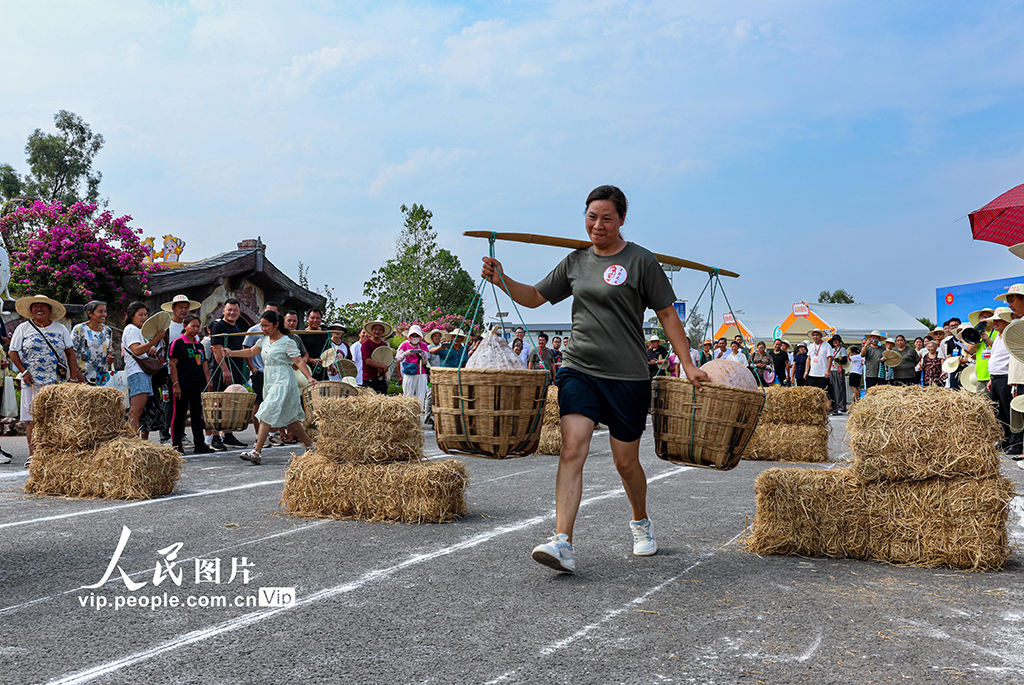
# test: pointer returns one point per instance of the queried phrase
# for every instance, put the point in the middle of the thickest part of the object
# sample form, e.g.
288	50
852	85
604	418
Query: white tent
851	321
752	328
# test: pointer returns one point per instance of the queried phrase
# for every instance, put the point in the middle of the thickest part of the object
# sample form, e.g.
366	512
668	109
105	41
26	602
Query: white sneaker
1020	464
557	553
644	544
6	458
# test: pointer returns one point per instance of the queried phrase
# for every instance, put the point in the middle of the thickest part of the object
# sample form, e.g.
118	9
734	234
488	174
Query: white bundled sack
494	353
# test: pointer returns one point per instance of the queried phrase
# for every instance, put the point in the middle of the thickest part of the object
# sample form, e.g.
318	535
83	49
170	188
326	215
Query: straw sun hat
169	306
388	328
1013	338
24	306
951	364
975	317
1015	289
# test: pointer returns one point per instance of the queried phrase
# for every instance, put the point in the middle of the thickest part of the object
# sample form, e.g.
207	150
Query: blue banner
680	306
961	300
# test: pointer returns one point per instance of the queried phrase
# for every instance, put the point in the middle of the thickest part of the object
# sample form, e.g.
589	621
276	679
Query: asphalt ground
463	602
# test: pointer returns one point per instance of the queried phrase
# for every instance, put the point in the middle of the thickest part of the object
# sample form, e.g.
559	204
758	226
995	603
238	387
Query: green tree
422	277
331	311
60	165
695	322
927	322
838	296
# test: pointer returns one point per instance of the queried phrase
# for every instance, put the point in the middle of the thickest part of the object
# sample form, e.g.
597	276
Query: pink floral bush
440	322
74	255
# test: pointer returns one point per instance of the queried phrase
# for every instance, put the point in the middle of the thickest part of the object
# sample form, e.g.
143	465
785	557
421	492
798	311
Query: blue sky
808	145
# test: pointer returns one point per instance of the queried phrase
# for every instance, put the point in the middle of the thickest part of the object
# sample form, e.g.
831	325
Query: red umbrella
1002	220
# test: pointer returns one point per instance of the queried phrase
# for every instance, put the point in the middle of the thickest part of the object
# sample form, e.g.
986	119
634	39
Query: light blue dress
282	404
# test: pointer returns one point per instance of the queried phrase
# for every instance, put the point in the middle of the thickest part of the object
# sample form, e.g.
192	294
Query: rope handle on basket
476	305
537	419
715	283
223	361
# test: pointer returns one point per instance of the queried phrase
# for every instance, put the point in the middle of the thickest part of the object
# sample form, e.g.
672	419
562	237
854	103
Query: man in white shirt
525	354
818	361
999	374
357	355
720	348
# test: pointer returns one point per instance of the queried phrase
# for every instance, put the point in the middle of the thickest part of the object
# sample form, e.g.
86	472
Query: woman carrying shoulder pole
612	284
282	405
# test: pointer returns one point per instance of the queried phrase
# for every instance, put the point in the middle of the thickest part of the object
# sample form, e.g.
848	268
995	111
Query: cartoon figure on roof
171	251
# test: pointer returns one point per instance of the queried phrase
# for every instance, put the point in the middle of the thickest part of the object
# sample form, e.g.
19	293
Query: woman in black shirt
189	376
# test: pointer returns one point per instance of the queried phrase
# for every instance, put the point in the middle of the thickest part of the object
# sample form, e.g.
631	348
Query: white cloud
307	69
419	162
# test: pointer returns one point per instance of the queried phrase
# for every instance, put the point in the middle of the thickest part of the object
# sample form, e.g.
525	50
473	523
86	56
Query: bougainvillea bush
74	255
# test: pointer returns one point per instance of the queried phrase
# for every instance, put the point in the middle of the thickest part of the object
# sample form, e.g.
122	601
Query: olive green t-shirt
609	298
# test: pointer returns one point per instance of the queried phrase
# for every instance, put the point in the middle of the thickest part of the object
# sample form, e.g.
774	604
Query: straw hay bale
955	522
803	406
914	433
787	442
550	440
883	389
959	523
317	487
809	511
369	428
551	412
125	468
75	416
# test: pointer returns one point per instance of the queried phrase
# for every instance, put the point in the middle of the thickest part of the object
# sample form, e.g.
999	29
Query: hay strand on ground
125	468
914	433
788	442
75	416
804	406
550	440
959	523
317	487
369	429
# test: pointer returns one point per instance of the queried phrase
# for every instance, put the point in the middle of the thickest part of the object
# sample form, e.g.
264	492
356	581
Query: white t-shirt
133	334
252	341
174	330
857	364
999	362
738	357
817	357
525	354
357	357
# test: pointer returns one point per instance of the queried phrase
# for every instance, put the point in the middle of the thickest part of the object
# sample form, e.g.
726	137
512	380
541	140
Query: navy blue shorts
620	405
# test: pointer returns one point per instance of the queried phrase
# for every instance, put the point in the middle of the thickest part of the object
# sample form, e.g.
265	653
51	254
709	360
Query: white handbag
9	409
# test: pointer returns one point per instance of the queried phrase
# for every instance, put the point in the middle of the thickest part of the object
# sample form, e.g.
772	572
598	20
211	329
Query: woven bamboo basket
489	413
227	411
324	389
709	429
